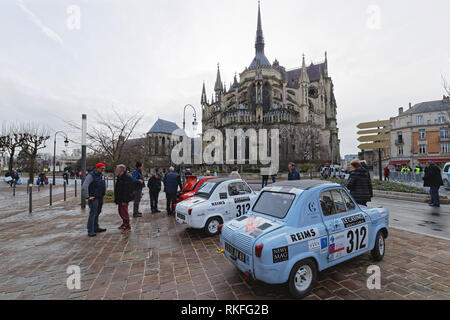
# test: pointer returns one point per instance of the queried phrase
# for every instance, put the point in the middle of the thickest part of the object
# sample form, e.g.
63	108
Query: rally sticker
280	254
302	235
353	220
314	245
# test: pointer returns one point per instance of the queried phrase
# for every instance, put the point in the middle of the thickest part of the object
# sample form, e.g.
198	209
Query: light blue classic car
296	229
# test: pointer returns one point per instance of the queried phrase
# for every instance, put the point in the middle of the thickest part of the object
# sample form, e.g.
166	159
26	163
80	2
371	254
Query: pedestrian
172	181
123	195
15	178
94	188
139	184
274	178
433	179
293	172
154	186
208	173
265	180
235	173
41	179
66	177
387	173
359	183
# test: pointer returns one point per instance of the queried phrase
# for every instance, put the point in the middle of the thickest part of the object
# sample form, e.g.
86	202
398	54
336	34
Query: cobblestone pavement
160	259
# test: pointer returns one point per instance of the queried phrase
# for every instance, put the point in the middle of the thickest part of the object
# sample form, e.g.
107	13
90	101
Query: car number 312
356	239
242	209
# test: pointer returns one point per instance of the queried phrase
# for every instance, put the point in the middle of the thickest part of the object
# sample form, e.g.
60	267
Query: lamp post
66	143
194	125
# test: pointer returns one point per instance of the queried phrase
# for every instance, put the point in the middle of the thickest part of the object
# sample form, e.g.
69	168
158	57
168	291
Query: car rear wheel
302	279
380	247
212	226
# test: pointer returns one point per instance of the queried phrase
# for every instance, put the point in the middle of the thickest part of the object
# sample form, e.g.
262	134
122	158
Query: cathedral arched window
156	145
252	96
164	146
266	96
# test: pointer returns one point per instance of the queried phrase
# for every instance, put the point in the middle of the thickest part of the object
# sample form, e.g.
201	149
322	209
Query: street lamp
66	143
194	125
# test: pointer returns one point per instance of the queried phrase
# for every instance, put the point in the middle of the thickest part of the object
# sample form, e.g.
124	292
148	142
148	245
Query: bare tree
33	138
110	134
10	141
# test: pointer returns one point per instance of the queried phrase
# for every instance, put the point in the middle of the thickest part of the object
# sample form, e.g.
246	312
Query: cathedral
299	102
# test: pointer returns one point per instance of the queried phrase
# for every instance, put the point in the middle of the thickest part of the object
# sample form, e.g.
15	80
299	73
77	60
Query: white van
446	175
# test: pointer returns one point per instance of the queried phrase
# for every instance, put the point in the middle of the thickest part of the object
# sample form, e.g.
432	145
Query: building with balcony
421	134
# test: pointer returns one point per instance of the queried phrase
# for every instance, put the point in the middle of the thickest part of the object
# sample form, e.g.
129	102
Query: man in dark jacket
172	181
139	184
123	194
433	179
154	186
359	183
293	173
94	188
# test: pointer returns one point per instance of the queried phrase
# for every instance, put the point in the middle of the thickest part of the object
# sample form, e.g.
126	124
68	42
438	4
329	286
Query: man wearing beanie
94	189
138	181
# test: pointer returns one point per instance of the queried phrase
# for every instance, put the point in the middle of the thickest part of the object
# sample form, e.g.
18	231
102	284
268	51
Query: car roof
300	185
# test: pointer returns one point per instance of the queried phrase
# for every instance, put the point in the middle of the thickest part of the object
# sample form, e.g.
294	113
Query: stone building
299	102
421	134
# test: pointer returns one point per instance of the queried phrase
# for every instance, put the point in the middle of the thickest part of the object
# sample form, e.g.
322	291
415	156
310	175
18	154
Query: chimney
400	111
410	105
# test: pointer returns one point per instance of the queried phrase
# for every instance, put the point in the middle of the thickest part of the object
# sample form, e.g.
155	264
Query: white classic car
216	202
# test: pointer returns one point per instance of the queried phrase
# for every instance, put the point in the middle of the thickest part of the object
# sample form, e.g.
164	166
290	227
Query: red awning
398	162
437	160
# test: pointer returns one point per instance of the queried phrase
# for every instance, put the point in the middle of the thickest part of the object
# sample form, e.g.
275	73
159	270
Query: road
411	216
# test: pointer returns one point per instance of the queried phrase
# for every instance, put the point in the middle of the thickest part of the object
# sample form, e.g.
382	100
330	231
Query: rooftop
164	126
429	106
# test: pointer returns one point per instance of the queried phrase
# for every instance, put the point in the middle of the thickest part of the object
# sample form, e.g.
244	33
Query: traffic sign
377	137
374	124
373	131
376	145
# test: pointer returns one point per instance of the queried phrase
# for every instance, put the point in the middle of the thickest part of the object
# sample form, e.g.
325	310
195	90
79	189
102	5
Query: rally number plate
235	253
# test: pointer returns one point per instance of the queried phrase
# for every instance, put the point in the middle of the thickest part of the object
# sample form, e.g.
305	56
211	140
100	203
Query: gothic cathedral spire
260	59
219	86
204	100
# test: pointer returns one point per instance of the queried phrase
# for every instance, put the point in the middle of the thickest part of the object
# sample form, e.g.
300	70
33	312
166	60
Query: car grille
238	240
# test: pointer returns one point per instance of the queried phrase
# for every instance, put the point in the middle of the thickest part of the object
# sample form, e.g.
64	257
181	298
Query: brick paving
162	260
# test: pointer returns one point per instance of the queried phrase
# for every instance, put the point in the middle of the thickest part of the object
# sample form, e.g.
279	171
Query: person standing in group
139	184
208	173
293	172
66	177
387	174
123	195
433	179
154	186
359	183
172	181
235	173
265	180
94	188
15	178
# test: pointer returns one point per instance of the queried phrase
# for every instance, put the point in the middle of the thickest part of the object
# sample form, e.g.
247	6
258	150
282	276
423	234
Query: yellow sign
376	145
374	124
373	131
377	137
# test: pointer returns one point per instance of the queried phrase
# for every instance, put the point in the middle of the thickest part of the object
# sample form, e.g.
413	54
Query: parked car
333	172
193	183
215	202
446	175
296	229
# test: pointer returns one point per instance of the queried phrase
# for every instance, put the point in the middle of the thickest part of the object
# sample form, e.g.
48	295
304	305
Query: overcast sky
153	55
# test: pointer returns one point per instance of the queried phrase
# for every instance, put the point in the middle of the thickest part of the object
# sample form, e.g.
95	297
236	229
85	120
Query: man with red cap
94	189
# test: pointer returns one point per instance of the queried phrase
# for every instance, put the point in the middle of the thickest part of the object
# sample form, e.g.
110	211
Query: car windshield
205	189
274	204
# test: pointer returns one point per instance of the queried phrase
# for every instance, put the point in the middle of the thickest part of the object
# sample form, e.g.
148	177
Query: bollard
30	193
14	190
64	191
51	194
75	188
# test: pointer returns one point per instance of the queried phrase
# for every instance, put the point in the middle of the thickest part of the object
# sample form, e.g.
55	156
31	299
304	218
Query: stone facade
299	102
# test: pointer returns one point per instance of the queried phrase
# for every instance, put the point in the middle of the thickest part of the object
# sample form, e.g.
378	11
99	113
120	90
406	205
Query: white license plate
181	216
235	253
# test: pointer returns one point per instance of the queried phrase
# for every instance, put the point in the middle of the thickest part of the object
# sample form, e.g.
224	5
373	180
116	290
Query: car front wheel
212	226
380	247
302	279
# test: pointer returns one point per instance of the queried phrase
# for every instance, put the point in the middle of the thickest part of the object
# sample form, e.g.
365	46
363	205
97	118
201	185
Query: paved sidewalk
160	259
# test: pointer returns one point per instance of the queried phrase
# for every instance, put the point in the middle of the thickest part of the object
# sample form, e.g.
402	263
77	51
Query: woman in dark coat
359	183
